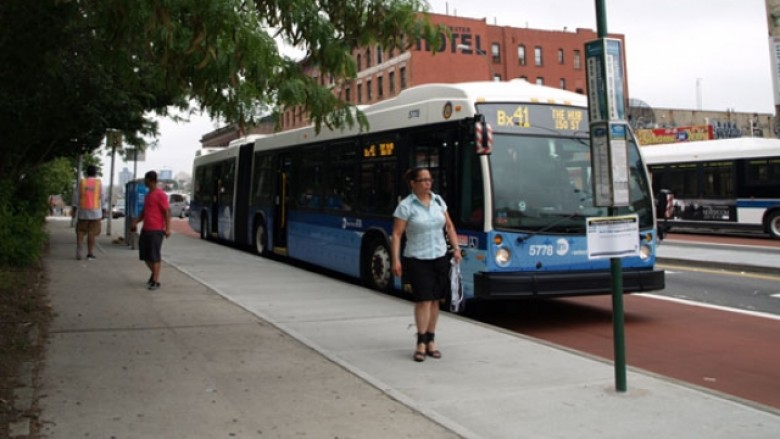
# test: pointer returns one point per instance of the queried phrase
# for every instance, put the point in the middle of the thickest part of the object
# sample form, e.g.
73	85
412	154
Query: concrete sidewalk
185	362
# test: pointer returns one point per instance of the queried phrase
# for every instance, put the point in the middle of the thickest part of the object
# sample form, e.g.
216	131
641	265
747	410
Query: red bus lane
730	352
182	227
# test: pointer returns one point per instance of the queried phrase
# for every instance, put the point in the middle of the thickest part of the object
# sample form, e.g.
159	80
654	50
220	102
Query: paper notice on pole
613	237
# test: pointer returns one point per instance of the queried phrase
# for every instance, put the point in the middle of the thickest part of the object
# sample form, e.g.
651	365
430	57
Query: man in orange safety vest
90	212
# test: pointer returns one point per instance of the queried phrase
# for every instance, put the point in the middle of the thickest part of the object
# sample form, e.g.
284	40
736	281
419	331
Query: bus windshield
543	184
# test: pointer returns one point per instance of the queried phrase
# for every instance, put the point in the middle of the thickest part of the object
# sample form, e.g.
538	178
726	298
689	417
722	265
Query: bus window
472	195
263	180
308	191
718	180
377	186
341	171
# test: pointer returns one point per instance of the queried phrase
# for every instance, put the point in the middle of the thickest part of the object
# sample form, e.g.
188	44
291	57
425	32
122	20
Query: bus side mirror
483	135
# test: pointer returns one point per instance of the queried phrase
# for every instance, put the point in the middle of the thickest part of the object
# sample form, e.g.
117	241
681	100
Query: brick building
474	51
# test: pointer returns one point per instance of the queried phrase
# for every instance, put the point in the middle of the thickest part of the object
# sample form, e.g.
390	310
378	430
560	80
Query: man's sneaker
91	257
153	286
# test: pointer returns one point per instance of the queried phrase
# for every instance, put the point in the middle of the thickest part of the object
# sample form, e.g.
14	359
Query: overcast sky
670	45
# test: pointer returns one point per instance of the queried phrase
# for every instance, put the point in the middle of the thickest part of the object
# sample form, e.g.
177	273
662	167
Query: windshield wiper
561	218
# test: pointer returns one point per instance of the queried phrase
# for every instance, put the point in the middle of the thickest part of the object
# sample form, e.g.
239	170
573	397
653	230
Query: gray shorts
149	245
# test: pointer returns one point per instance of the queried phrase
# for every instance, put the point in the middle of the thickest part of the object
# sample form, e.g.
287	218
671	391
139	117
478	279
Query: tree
74	68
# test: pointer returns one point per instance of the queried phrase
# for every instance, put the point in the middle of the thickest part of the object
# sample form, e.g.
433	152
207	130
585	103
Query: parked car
118	211
179	204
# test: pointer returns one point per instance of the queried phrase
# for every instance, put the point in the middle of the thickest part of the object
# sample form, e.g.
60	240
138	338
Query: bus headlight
644	252
503	256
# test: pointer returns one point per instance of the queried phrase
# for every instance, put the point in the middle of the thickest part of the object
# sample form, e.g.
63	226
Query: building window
360	94
379	54
402	72
560	56
391	80
359	62
495	50
368	58
538	56
539	80
521	55
380	87
348	95
563	83
368	91
577	59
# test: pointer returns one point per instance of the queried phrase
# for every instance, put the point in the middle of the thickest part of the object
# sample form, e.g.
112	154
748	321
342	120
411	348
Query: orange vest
89	194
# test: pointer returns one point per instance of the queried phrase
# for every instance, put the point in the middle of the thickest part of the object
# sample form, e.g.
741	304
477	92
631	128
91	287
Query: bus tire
377	266
204	233
260	238
773	224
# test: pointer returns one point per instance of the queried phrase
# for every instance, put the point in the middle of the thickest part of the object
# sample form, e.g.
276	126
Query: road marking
678	268
776	296
711	306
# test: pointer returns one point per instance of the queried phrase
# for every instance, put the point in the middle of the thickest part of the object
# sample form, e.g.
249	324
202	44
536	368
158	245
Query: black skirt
428	279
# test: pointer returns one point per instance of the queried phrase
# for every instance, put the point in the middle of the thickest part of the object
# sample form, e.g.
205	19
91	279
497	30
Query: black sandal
418	355
431	353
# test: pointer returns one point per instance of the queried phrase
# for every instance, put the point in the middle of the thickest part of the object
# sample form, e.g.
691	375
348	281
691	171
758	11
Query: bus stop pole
615	264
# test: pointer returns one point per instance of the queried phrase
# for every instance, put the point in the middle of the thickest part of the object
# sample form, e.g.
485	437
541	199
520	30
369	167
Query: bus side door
282	203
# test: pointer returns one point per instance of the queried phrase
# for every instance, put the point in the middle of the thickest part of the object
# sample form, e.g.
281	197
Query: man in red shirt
156	216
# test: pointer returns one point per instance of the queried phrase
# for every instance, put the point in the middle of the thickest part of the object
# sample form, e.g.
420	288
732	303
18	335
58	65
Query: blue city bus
511	159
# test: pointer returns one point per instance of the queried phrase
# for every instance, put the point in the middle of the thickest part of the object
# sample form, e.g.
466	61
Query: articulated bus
511	159
719	184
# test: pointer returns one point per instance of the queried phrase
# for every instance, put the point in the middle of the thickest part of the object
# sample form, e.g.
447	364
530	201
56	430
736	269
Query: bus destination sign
381	149
536	119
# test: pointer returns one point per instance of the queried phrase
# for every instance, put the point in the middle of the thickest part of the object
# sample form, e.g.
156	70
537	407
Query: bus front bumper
524	284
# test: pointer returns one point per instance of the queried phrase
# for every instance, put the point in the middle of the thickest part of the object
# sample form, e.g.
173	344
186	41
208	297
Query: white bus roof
424	105
707	150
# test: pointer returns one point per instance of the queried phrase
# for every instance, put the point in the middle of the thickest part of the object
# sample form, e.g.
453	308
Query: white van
179	204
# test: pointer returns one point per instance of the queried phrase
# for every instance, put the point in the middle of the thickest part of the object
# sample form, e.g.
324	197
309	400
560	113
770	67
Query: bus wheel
204	233
377	267
773	225
260	238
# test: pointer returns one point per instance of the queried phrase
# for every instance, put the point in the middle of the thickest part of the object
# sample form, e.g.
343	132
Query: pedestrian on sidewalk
156	216
89	213
422	216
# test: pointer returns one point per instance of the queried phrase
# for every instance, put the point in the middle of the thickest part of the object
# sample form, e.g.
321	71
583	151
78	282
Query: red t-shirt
155	207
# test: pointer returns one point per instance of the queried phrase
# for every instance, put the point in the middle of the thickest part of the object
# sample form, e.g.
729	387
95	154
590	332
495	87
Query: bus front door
281	205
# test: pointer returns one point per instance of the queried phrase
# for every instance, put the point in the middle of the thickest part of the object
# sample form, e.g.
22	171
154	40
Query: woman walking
422	216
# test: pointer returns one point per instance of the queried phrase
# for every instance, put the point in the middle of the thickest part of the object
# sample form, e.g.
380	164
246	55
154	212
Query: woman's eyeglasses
424	180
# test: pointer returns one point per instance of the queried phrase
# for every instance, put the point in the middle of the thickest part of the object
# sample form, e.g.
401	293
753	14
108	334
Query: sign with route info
606	84
609	159
613	237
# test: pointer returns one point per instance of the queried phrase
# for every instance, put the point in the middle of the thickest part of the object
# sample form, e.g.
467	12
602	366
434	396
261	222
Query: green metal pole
615	264
618	334
601	18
